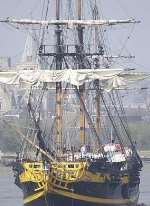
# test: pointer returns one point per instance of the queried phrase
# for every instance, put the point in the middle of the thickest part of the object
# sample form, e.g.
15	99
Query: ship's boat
76	147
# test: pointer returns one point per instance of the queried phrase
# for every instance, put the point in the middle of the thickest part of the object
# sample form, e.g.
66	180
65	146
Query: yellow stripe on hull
33	197
95	199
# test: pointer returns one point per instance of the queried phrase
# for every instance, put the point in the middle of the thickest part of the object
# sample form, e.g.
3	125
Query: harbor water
10	195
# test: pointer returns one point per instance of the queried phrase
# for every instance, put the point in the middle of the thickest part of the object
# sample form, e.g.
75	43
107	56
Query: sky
12	40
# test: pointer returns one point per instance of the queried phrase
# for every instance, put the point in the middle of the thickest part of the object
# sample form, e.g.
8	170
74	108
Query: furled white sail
68	23
113	78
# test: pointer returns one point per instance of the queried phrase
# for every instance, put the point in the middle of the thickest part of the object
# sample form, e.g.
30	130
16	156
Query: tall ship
76	148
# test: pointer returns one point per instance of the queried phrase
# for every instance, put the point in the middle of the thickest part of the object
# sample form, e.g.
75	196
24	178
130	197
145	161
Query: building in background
5	63
29	58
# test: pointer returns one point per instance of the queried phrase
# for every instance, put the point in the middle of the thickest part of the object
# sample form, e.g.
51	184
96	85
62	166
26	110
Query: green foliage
9	141
140	132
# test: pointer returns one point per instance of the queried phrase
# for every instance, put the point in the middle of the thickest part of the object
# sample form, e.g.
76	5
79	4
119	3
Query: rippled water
145	184
10	195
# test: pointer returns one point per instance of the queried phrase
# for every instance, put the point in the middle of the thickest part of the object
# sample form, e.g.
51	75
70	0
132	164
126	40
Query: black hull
92	190
53	200
103	193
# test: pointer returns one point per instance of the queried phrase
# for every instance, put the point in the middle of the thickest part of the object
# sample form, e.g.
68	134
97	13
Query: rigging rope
127	133
91	124
33	112
112	122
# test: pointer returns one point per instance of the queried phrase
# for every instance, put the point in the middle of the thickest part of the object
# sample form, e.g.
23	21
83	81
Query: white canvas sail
113	78
69	23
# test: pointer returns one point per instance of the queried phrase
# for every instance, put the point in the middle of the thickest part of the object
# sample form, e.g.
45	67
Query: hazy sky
12	41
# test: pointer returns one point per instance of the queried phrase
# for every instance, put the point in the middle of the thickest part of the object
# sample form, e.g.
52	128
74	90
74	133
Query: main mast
79	51
58	84
96	82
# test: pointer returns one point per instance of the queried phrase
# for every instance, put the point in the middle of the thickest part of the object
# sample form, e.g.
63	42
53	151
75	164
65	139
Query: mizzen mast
58	84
